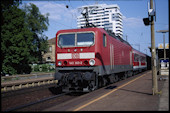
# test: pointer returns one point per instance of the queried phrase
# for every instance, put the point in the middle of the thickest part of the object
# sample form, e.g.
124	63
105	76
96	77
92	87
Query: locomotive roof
75	30
101	29
117	37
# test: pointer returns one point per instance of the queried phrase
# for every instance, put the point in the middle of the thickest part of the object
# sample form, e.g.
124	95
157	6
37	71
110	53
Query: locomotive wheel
104	81
140	70
130	73
125	75
111	78
116	78
134	73
99	82
92	86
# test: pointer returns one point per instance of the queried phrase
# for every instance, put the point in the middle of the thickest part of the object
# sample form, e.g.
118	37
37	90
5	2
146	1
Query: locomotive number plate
76	63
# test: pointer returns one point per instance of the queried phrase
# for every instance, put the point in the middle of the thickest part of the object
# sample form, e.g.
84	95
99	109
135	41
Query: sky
133	11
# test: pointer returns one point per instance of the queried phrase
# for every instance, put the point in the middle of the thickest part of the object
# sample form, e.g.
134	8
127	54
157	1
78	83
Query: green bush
36	68
43	68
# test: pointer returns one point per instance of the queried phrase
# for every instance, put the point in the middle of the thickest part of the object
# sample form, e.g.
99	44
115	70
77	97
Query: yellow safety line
77	109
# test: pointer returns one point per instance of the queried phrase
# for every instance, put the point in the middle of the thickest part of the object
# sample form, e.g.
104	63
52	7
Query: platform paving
164	98
136	96
133	95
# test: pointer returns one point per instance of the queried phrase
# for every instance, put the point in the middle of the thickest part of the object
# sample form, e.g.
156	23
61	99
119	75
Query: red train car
89	58
139	61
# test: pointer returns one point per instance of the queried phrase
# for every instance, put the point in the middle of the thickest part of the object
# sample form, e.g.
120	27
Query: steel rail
36	102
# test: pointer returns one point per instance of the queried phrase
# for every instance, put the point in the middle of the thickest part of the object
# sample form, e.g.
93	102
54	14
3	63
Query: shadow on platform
136	91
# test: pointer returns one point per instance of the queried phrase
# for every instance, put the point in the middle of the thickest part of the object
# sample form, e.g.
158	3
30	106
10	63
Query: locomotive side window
104	40
85	39
66	40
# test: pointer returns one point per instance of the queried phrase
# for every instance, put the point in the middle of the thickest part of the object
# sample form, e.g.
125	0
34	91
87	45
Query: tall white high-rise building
103	16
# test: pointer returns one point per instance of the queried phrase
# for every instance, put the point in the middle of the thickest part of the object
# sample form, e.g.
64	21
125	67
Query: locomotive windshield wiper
60	46
91	45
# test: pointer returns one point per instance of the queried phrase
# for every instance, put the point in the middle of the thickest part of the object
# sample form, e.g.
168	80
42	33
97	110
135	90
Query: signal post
153	51
150	21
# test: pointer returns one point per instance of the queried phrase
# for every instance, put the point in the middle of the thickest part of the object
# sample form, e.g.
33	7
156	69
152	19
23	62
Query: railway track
13	98
37	99
34	99
35	102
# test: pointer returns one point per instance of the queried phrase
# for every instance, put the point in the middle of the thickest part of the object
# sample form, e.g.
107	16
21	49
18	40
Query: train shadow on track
55	90
77	93
58	90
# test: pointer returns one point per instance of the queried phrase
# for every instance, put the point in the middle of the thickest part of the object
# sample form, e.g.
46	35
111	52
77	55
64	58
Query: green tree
22	39
14	36
37	24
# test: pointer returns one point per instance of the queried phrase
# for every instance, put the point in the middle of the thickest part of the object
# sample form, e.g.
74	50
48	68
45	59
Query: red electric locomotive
89	58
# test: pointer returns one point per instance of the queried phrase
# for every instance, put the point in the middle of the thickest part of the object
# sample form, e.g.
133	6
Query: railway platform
132	94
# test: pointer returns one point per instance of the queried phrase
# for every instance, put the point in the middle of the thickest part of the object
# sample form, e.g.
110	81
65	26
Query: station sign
167	46
161	46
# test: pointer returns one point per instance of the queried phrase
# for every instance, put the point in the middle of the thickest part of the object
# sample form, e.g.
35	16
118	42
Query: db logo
75	56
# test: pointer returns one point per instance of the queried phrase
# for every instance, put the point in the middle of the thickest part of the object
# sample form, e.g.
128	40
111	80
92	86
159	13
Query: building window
50	48
48	59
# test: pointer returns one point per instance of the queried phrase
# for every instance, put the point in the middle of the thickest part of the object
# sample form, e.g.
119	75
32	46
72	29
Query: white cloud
56	11
59	16
133	22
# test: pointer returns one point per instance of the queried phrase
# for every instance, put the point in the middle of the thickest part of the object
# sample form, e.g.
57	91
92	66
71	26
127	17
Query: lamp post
163	31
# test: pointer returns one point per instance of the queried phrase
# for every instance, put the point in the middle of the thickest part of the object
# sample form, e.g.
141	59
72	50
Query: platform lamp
163	31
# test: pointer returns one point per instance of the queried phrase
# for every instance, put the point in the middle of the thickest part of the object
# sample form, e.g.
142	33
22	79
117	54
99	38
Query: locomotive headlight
92	62
59	63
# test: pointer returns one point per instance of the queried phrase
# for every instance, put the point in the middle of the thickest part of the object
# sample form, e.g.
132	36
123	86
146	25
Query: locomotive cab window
76	39
66	40
104	40
85	39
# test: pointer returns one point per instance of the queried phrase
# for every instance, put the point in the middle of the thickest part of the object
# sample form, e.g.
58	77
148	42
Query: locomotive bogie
81	81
